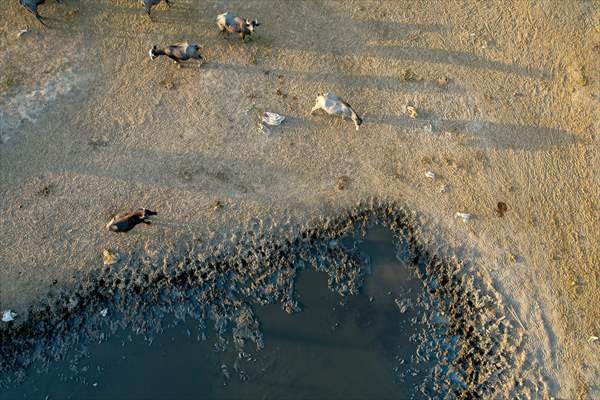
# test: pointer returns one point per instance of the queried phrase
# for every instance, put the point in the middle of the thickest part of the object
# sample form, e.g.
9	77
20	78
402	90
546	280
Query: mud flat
465	336
357	346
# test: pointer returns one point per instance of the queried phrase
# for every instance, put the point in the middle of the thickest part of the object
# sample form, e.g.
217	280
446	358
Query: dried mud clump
501	208
475	350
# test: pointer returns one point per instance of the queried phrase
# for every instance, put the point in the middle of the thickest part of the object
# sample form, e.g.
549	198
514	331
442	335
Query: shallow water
336	347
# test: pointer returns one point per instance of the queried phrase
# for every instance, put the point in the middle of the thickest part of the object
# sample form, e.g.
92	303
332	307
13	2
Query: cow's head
251	25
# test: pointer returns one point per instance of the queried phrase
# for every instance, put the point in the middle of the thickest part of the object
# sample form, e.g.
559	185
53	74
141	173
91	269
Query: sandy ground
508	102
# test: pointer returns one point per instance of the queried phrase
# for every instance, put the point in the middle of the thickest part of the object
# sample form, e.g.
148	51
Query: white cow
334	105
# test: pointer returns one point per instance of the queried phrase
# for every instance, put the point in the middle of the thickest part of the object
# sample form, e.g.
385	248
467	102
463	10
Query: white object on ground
272	119
23	31
464	216
593	339
8	316
104	312
430	174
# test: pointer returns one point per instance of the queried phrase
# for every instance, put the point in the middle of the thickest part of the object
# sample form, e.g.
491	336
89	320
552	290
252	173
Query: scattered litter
23	31
272	119
109	258
8	316
411	112
464	216
593	339
444	188
430	174
104	312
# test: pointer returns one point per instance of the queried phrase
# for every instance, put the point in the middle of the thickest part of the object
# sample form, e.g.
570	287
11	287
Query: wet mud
442	333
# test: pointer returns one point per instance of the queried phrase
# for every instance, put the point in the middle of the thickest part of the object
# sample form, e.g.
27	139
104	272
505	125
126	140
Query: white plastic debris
8	316
104	312
464	216
430	174
272	119
23	31
443	188
593	339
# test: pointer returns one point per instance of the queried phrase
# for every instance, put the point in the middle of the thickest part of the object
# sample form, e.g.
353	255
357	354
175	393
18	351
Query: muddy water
336	347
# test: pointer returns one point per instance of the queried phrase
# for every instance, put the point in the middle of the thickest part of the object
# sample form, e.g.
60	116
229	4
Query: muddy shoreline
478	346
506	113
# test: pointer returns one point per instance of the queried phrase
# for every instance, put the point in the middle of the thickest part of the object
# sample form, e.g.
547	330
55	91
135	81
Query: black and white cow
230	24
177	52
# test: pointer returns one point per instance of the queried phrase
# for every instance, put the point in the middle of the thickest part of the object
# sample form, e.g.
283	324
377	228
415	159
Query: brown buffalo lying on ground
127	221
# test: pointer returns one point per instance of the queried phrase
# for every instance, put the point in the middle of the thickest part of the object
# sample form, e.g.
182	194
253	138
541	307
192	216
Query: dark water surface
335	348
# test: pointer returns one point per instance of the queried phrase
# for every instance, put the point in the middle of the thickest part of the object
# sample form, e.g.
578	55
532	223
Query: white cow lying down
333	105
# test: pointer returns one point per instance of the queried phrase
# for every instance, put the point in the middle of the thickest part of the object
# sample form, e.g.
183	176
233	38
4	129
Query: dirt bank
507	105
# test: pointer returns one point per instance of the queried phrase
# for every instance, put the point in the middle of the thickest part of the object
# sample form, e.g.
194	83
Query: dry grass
506	95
